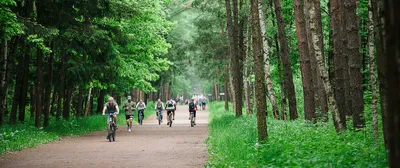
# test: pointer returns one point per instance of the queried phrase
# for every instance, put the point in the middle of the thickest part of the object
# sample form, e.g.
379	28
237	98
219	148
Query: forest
279	72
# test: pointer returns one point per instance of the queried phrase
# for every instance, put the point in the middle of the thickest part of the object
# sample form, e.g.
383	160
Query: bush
232	142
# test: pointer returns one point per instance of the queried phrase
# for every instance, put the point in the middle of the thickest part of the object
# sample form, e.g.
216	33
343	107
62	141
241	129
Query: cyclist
204	103
193	108
112	108
169	106
200	102
129	108
173	113
159	107
140	106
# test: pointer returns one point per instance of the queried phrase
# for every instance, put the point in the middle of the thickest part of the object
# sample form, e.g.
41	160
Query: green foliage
9	26
232	142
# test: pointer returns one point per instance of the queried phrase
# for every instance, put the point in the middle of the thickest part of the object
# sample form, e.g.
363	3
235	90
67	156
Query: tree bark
339	61
226	81
38	91
309	101
3	78
17	90
67	103
24	87
259	73
247	82
392	40
61	92
378	8
372	71
355	63
53	102
232	32
284	52
87	111
316	37
32	98
265	48
49	87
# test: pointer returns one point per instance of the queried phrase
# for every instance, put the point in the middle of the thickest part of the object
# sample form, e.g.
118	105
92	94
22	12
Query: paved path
149	145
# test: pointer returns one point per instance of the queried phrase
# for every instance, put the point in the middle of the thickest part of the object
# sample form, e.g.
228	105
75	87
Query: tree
284	52
267	63
309	101
355	63
339	61
372	72
323	74
259	72
392	44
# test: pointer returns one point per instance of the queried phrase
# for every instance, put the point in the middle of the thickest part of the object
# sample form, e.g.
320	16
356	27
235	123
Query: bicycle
111	127
192	118
159	117
140	116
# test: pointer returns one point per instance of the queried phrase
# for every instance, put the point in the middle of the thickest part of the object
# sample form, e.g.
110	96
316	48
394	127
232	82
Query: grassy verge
22	136
232	143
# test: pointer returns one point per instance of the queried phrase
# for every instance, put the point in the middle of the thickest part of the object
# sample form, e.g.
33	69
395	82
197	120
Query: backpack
191	106
170	104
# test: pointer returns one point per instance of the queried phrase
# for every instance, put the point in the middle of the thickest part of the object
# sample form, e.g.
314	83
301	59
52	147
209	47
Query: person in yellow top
129	108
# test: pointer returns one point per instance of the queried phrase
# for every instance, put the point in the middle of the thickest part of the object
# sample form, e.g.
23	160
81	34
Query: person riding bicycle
173	113
170	107
193	108
129	108
140	106
159	107
112	108
204	103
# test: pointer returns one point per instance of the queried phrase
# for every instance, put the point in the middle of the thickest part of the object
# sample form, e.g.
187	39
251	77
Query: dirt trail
148	145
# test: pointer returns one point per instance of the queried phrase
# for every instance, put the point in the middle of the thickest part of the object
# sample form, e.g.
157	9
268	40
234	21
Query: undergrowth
232	142
25	135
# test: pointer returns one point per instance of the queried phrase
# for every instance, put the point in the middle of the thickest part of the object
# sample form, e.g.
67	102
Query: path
149	145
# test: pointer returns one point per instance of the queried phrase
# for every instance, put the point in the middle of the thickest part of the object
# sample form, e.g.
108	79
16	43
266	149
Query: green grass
232	143
22	136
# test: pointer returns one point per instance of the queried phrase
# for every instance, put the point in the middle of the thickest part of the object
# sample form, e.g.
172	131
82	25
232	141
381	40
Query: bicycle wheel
109	132
170	119
113	135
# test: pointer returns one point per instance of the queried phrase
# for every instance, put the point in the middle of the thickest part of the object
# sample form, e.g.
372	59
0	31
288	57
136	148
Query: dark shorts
169	112
194	112
128	117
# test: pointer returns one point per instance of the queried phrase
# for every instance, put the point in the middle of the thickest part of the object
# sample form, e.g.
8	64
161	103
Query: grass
232	143
18	137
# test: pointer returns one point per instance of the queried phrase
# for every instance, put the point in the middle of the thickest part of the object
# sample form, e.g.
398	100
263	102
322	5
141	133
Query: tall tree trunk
309	101
226	80
61	92
249	106
53	102
49	87
87	111
265	48
24	88
392	40
17	90
378	9
320	93
355	63
67	103
39	92
80	102
3	78
372	71
32	98
340	60
100	101
281	80
259	72
232	49
284	52
316	38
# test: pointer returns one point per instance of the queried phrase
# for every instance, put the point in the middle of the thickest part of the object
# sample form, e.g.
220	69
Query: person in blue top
112	108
